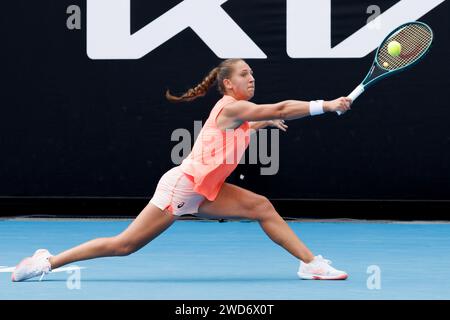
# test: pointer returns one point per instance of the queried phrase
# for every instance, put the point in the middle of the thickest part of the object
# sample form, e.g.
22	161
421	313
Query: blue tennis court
203	259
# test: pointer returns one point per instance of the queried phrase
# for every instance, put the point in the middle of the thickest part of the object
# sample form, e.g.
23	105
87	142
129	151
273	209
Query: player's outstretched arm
284	110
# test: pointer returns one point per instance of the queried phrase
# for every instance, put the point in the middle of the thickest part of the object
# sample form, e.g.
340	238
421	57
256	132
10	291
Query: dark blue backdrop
72	126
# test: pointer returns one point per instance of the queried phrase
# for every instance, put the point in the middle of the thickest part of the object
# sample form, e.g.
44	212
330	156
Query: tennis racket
415	39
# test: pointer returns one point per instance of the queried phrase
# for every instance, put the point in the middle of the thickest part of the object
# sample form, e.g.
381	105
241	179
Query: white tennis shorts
175	193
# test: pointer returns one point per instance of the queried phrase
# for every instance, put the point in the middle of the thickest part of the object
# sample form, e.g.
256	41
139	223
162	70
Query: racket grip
354	94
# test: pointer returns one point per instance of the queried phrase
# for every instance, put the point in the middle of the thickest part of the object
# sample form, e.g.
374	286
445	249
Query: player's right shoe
37	265
320	269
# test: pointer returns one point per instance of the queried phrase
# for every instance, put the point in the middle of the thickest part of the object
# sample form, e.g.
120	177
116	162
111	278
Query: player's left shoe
320	269
37	265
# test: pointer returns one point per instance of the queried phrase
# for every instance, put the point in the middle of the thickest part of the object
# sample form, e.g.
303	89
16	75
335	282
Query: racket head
415	38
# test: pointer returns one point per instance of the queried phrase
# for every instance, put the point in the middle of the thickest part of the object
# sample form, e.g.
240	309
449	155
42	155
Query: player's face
241	83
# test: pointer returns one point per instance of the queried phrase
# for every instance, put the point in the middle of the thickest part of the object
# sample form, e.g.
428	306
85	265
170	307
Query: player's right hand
341	104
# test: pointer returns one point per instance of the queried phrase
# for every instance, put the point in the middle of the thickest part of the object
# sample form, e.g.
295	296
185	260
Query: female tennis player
198	186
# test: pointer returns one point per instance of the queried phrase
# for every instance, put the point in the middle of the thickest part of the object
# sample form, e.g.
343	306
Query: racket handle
354	94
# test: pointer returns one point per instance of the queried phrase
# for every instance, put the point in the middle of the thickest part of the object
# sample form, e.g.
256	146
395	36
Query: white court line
62	269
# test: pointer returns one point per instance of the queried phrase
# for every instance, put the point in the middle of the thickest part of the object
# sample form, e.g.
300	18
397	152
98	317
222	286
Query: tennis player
198	186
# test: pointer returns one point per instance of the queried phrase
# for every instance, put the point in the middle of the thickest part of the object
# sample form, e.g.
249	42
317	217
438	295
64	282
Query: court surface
209	260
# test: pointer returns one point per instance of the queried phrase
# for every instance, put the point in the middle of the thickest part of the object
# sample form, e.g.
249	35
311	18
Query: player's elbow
280	111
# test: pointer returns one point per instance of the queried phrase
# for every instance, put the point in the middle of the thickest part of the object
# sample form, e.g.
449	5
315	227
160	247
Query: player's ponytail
216	75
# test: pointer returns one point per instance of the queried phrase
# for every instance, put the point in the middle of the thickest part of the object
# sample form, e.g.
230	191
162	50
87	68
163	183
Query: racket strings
414	39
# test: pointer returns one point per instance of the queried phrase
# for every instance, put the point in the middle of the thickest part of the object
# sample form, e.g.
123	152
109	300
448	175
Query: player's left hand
278	124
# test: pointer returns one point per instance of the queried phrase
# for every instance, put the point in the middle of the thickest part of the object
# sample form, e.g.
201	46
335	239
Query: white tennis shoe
320	269
34	266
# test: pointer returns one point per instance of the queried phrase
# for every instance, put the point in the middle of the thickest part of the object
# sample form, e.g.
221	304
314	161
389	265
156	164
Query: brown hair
216	75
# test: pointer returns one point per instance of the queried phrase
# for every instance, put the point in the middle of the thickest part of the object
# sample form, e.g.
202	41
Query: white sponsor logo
308	29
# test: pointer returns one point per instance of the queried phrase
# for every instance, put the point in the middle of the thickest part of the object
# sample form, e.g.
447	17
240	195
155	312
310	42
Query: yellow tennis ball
394	48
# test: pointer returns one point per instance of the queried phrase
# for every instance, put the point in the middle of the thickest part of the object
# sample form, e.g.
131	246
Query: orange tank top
216	153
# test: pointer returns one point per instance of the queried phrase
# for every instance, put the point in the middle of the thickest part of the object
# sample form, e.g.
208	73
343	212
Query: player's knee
121	247
262	209
125	250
